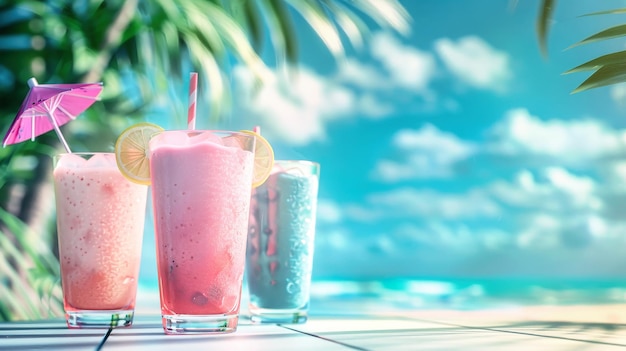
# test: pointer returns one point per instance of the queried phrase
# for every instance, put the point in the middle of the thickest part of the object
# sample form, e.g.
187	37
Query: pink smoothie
100	221
201	195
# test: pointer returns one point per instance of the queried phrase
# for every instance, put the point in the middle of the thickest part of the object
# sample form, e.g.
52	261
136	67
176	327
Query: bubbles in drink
283	219
100	218
293	287
199	299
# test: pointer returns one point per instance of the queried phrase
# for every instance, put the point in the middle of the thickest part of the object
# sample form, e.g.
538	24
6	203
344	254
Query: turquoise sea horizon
345	297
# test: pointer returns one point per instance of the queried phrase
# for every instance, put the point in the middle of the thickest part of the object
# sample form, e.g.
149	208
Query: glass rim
217	131
81	153
85	155
247	140
300	162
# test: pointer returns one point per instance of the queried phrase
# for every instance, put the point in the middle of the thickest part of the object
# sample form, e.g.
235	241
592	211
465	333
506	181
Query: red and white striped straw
193	97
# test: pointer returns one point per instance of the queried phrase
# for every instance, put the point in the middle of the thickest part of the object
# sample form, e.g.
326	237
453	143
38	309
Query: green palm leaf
607	12
349	22
543	24
609	68
386	13
30	273
318	19
610	33
605	60
605	75
282	30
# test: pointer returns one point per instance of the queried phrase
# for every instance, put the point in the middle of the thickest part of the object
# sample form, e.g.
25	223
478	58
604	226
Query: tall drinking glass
201	185
100	222
280	243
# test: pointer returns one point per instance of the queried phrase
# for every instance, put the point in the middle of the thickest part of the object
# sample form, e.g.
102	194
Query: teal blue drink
281	243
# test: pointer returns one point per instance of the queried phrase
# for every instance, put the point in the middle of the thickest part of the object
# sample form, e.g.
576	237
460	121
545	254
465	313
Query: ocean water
463	294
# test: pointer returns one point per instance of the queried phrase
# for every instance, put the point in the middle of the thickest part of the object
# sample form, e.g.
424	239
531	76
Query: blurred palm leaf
543	24
607	12
30	268
609	69
329	19
140	47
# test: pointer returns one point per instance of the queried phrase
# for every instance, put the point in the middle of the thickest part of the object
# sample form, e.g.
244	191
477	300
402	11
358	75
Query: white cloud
615	174
545	208
579	188
429	153
328	211
555	190
333	239
371	106
407	66
571	142
475	62
293	108
362	75
457	237
541	231
538	219
618	94
429	204
360	213
559	233
550	208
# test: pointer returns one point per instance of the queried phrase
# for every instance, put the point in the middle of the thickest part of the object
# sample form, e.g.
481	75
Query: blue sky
456	150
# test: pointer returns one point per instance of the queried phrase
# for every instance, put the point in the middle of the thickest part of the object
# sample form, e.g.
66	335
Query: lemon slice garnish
131	152
263	159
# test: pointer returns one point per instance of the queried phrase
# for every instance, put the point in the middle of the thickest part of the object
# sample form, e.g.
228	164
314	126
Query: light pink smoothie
201	195
100	220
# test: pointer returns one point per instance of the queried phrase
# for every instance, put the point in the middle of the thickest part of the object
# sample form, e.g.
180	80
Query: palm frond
281	29
610	33
248	15
349	22
204	34
329	20
386	13
317	17
607	12
30	274
605	60
605	75
609	68
543	24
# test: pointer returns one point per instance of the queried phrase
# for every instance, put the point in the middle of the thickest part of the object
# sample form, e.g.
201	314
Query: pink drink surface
201	195
100	221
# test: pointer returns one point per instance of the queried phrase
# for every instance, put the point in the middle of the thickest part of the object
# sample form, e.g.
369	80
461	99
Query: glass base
99	319
278	316
195	324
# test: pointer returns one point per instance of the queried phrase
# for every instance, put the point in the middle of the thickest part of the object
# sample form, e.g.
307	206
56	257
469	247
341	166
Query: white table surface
552	328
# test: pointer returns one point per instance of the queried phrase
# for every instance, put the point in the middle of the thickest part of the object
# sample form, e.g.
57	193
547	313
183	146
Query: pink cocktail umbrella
49	106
